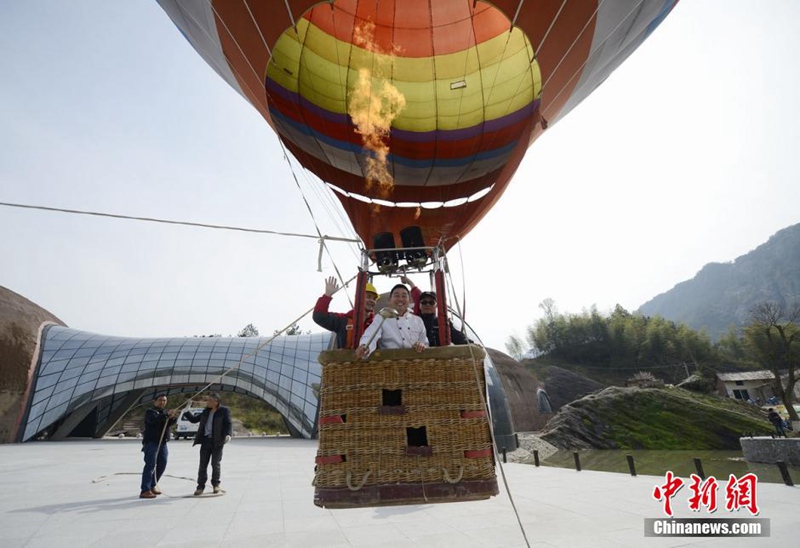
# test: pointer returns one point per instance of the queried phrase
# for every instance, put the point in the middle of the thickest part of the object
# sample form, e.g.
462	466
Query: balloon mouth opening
410	205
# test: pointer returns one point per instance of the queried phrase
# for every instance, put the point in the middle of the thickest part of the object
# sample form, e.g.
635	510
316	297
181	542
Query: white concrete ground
85	493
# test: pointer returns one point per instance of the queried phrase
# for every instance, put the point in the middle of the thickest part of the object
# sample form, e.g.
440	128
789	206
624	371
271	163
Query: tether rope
322	241
258	348
183	223
485	403
226	372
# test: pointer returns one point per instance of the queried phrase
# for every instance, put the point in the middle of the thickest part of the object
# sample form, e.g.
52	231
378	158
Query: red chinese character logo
741	493
704	493
667	491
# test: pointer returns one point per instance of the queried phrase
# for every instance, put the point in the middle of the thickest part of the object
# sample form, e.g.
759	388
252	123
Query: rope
485	404
313	218
494	441
360	485
319	237
591	53
447	476
101	479
459	310
223	374
422	479
253	19
229	370
243	81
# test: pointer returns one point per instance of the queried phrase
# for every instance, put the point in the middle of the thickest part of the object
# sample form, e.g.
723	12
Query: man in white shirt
405	331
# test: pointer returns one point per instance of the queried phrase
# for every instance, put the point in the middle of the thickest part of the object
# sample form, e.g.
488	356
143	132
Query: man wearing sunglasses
425	308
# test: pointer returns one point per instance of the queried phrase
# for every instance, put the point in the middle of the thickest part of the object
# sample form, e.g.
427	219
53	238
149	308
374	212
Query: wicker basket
403	428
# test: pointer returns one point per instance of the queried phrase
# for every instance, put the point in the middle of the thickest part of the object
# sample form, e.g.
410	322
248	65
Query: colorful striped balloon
416	112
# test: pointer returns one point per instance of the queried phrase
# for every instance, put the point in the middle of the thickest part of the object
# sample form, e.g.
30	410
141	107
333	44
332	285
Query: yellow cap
371	289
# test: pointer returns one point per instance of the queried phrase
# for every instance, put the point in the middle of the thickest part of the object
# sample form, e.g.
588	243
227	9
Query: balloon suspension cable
460	306
463	312
598	46
551	35
255	73
313	218
321	239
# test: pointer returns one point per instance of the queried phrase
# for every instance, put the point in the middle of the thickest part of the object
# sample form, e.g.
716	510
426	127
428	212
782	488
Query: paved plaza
85	493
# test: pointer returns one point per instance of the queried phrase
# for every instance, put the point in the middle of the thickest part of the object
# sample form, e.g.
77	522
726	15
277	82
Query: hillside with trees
670	369
722	294
611	349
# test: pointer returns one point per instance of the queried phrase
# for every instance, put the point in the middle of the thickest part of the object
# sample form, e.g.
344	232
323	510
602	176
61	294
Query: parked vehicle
184	428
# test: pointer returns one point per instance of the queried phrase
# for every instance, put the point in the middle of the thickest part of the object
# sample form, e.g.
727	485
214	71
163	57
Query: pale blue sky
687	154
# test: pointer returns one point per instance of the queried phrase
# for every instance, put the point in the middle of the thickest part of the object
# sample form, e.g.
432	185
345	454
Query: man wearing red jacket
342	324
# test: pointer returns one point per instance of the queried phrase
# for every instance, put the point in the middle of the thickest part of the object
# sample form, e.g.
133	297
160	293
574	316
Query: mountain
722	294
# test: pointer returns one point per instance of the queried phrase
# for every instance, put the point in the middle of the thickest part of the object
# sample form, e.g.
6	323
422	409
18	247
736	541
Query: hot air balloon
416	114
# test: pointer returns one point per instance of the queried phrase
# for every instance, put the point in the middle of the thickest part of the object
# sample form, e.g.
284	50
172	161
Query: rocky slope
635	418
562	385
20	320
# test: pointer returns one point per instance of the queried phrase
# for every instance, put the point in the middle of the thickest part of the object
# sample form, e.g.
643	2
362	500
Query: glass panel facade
75	365
77	368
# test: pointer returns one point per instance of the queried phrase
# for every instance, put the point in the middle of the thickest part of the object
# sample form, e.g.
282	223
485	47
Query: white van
186	429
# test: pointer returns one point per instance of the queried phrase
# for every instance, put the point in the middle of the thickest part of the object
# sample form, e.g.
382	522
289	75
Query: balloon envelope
415	112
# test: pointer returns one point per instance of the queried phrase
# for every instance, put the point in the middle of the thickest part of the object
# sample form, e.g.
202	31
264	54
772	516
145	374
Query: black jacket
220	428
154	421
432	328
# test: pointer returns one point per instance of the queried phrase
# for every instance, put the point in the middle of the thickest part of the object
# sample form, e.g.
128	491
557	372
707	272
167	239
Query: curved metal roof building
83	383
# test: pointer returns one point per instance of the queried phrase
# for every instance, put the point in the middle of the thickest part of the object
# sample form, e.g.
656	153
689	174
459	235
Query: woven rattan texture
434	392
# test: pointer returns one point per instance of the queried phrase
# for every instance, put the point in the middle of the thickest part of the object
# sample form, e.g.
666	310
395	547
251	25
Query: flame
374	103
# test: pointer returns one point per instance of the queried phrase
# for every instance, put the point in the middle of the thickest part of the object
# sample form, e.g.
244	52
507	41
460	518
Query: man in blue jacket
157	421
213	432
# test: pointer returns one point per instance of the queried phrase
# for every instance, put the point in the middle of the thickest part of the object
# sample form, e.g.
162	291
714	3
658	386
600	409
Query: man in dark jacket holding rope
154	445
213	432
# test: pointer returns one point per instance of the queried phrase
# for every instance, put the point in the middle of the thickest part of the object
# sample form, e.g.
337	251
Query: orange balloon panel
420	101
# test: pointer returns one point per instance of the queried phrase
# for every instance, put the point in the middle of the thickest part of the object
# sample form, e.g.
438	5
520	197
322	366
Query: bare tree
773	338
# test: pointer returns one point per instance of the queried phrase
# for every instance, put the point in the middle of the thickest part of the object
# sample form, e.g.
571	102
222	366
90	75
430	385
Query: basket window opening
392	398
417	437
